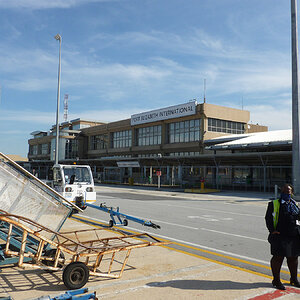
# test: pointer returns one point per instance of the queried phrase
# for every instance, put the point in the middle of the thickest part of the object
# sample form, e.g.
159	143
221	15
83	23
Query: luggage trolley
77	257
31	216
23	194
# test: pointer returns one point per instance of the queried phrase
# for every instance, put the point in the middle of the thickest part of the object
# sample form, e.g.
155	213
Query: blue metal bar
75	295
116	213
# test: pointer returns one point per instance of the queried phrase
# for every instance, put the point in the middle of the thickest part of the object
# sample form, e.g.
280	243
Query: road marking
188	207
206	218
209	249
190	245
195	228
210	218
168	223
276	294
237	235
173	224
212	251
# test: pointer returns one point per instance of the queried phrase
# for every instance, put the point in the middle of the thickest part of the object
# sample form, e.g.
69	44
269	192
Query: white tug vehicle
74	182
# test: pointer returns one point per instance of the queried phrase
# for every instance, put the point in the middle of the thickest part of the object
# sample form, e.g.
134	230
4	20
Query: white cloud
157	77
195	42
105	115
48	118
31	84
276	117
30	116
249	78
228	68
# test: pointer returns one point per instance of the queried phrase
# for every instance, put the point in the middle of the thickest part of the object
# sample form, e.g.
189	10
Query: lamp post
58	38
295	101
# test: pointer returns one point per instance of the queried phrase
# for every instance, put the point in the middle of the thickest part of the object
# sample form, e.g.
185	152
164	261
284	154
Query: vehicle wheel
79	201
74	212
125	222
111	223
51	253
75	275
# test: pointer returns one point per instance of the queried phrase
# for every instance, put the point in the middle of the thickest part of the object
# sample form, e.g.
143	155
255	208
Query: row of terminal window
225	126
179	132
71	149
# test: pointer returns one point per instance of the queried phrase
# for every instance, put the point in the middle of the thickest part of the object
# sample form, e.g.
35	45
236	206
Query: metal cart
77	256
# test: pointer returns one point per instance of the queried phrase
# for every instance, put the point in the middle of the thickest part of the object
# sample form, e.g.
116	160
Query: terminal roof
257	139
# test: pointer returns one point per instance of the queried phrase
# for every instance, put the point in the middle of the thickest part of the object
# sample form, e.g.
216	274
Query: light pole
295	101
58	38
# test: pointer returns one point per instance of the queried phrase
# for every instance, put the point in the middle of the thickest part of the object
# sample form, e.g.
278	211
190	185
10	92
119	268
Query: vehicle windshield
77	174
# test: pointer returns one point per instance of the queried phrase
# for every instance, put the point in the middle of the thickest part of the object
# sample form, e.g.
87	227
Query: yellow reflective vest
276	206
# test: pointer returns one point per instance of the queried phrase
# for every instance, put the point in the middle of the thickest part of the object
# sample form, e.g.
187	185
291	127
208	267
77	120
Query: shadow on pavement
209	285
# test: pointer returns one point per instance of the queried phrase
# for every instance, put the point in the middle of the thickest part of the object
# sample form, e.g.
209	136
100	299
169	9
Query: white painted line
206	218
189	207
237	235
192	244
173	224
211	249
197	245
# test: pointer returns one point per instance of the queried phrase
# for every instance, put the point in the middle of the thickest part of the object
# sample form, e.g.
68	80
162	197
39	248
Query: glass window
35	149
98	142
121	139
149	135
71	149
225	126
45	149
183	132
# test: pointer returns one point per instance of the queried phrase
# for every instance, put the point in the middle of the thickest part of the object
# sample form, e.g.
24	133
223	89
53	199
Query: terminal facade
181	145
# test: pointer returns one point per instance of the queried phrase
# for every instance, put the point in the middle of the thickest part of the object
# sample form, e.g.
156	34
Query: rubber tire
111	223
75	275
125	222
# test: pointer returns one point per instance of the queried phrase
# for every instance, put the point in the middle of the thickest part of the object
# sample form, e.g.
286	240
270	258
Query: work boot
278	285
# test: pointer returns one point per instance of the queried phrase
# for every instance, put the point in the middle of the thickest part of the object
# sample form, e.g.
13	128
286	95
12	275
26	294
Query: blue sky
121	57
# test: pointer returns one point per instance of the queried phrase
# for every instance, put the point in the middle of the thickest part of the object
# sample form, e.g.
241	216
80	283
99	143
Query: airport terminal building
183	145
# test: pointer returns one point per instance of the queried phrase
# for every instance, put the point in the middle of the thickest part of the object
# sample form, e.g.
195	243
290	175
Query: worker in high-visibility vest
282	220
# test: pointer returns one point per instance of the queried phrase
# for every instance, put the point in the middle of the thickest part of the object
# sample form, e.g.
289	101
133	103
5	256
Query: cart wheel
111	223
125	222
75	275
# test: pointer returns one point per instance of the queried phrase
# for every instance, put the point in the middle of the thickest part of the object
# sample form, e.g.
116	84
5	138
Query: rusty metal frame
90	252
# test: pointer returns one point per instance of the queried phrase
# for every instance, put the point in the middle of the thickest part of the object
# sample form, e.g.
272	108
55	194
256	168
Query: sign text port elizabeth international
176	111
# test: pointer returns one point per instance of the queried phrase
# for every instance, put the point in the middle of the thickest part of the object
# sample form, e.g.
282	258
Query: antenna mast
204	88
66	107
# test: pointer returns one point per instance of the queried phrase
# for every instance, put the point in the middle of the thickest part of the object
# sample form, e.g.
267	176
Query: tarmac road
215	256
227	227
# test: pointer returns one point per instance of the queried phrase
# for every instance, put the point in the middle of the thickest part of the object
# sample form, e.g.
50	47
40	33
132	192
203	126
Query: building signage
127	164
170	112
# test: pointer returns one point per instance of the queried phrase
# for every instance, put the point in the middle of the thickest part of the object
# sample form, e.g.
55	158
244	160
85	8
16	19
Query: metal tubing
8	238
58	37
111	262
22	249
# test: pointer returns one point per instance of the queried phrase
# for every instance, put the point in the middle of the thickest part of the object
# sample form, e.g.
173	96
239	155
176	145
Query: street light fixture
58	38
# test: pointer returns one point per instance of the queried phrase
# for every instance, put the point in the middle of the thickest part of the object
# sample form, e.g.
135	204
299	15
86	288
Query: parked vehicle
74	182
